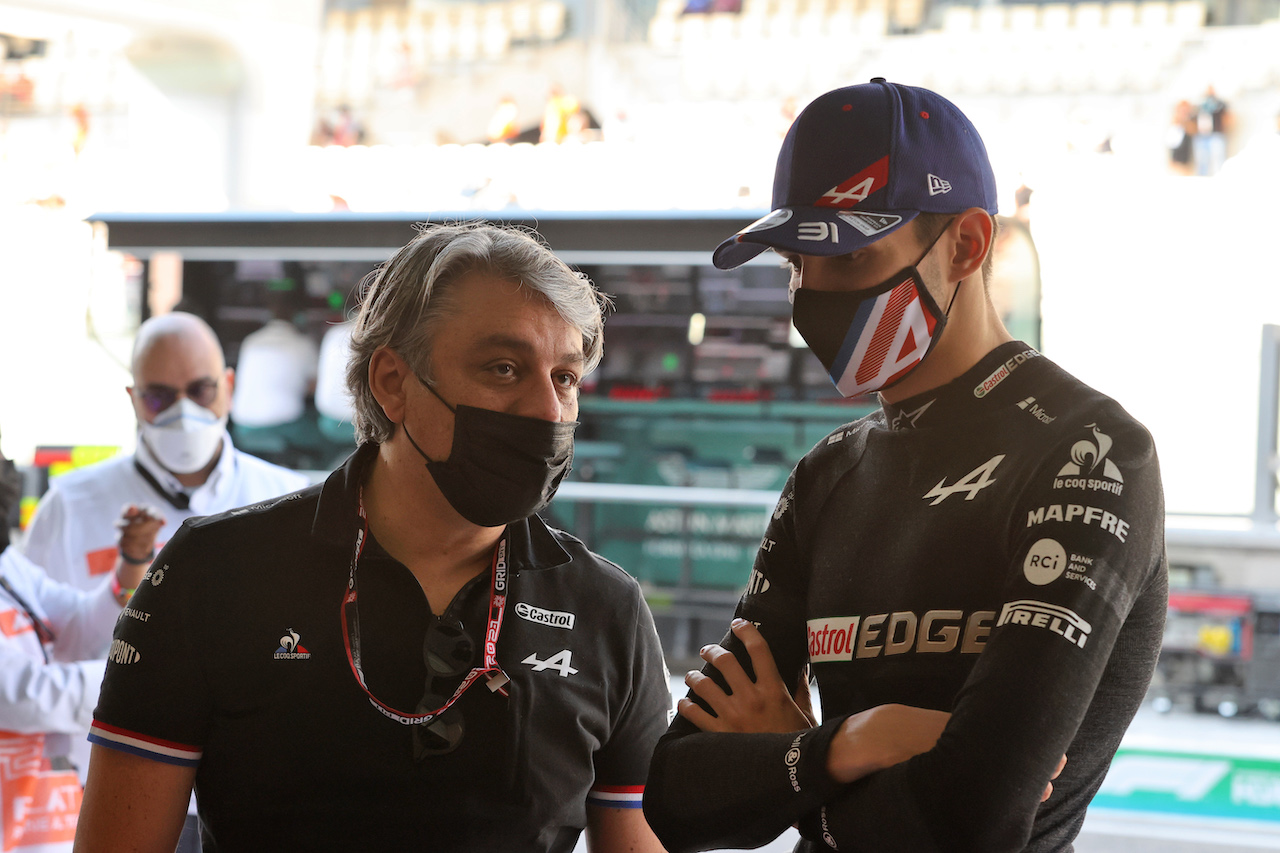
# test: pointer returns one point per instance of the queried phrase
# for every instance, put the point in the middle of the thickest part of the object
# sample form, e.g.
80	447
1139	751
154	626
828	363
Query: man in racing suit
975	573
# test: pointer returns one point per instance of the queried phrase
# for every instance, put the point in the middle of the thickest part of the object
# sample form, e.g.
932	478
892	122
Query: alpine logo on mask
889	334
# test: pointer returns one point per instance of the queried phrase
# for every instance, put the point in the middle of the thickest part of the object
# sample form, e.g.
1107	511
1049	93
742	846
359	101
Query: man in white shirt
52	641
276	367
184	464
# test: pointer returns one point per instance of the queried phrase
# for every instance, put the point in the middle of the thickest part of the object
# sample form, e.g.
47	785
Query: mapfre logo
832	638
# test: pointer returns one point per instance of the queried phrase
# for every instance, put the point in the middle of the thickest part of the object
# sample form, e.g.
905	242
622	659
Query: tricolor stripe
156	749
616	796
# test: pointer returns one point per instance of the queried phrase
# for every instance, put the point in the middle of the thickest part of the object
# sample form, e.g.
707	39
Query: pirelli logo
1037	614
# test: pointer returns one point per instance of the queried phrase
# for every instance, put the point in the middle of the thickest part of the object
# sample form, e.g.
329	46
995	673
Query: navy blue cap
859	163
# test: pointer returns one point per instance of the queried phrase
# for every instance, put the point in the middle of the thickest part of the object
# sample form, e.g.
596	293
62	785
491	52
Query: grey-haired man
282	654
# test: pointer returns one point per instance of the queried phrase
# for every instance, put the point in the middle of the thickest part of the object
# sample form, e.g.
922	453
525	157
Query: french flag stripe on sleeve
616	796
145	746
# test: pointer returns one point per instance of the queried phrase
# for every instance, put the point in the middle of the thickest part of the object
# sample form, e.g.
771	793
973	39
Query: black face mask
502	467
10	493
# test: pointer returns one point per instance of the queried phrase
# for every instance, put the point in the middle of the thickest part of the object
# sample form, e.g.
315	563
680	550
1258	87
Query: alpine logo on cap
870	224
937	186
852	191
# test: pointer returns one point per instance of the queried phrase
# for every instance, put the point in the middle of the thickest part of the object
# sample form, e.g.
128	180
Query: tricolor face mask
870	339
502	467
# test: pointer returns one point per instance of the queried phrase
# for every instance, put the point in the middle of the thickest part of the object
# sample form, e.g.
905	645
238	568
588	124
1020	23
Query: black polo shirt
231	657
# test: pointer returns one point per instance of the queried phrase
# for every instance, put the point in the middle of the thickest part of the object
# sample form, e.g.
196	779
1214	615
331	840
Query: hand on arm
136	546
764	704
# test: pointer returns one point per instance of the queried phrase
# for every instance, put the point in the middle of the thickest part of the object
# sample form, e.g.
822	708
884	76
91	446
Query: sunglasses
156	398
448	652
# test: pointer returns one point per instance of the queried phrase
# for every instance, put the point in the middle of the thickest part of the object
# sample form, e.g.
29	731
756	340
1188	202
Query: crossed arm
748	730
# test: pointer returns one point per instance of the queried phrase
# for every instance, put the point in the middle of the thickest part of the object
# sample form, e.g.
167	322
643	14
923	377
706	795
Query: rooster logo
290	646
1087	455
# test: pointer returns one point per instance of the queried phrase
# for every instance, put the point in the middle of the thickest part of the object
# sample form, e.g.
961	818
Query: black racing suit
993	548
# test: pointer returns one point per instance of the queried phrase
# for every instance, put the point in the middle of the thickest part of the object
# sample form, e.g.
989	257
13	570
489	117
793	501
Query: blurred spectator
80	115
322	133
697	7
556	115
1022	204
347	131
504	123
1181	137
53	644
276	369
333	401
1214	122
184	462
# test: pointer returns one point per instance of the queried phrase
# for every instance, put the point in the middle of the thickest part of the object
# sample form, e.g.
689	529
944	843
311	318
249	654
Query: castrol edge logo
832	638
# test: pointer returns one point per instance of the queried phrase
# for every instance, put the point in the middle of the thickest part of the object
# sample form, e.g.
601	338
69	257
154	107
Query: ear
971	232
230	376
388	373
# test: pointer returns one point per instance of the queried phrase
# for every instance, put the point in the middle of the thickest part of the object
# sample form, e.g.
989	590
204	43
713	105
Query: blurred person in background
504	124
558	115
53	641
1180	138
975	572
184	464
335	411
1214	122
275	376
406	656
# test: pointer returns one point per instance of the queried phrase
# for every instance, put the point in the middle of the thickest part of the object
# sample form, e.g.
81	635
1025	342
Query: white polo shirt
73	535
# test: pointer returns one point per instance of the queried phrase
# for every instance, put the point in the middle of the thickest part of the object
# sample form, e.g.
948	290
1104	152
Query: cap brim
809	231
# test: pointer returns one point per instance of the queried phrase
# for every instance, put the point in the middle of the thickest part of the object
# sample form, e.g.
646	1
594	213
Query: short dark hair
929	226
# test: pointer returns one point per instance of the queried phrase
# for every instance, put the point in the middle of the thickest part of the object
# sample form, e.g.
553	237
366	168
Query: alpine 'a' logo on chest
972	483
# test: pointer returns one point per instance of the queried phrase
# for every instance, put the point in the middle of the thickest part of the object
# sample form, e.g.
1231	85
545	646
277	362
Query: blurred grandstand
679	109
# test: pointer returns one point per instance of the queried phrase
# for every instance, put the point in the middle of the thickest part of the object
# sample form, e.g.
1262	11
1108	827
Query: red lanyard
497	604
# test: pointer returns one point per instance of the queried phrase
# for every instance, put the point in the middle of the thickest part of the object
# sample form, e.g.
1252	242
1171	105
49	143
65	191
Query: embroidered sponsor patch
1045	562
1037	614
552	618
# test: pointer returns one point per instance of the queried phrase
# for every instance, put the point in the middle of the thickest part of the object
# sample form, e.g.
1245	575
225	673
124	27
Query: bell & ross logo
792	762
